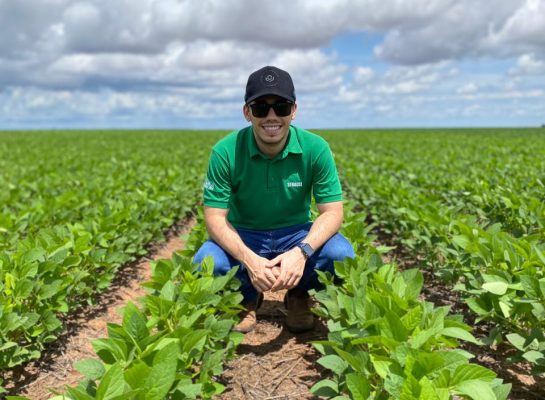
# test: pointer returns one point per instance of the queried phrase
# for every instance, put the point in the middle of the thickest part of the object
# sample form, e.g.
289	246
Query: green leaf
535	357
459	333
476	390
112	383
163	372
516	340
358	386
194	341
189	390
168	292
334	363
35	254
394	327
90	368
220	329
134	322
476	306
497	287
502	391
213	362
505	308
17	398
430	392
461	241
137	374
326	388
110	350
470	372
77	393
357	358
414	280
382	365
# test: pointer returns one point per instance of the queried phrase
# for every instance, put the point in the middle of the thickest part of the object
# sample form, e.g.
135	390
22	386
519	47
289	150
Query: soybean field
448	227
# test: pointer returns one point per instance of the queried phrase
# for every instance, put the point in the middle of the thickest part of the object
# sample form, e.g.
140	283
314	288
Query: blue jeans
269	244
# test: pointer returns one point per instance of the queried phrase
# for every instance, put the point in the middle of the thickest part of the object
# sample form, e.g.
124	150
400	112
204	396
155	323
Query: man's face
270	130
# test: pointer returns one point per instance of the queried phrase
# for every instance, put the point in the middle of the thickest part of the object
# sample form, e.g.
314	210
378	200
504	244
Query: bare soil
273	363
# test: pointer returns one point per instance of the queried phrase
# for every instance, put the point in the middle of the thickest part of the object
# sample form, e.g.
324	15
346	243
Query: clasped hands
282	272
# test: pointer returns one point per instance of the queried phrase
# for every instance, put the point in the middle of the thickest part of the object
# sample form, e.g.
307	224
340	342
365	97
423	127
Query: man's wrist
306	249
248	259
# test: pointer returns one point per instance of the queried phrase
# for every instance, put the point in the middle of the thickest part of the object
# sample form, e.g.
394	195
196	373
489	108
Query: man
257	197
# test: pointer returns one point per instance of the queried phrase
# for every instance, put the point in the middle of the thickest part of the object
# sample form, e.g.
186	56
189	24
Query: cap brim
270	92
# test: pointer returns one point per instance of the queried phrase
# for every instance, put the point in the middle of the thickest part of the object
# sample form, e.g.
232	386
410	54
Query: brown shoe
248	318
300	318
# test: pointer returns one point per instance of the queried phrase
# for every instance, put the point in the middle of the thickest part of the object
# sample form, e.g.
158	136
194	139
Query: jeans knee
337	248
222	263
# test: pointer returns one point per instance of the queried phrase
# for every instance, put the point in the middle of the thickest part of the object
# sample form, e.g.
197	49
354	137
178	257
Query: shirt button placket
270	176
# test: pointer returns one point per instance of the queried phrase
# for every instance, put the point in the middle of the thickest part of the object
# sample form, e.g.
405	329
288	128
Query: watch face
307	249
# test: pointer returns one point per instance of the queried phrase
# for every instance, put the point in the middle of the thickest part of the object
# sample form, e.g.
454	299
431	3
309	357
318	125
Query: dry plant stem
285	375
283	396
277	363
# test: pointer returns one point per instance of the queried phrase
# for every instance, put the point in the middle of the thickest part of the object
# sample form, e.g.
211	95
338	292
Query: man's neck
271	150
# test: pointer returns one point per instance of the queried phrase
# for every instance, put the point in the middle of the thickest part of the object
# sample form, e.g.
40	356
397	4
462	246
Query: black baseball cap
269	81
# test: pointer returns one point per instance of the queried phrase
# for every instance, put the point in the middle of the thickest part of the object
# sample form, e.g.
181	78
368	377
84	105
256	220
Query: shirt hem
216	204
329	199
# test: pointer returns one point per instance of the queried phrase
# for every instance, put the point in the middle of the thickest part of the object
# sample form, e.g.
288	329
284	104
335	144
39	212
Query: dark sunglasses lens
282	109
260	110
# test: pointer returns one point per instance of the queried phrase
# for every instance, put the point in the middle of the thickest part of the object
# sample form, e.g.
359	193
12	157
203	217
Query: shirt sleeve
217	185
326	186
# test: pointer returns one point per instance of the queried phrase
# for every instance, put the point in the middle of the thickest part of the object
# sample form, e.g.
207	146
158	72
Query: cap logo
269	78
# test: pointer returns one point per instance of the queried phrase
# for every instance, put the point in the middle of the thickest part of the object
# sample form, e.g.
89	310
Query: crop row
78	205
174	344
384	343
469	209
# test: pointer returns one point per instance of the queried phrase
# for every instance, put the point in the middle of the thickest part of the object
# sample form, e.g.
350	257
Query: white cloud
528	64
468	88
524	30
363	75
463	29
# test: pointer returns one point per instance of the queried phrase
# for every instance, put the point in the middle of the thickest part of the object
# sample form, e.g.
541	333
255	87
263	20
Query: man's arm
223	233
326	225
292	262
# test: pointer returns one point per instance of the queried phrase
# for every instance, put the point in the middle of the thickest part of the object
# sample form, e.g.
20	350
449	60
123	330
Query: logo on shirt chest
294	184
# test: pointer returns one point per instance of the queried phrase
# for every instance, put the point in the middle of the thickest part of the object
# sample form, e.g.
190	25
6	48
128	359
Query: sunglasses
261	110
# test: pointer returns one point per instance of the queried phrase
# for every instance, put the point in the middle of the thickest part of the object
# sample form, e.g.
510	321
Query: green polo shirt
263	193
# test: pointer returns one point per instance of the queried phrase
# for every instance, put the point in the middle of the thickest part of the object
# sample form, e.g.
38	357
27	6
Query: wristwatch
307	249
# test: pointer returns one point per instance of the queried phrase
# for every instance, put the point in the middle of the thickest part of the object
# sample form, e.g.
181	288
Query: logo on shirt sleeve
208	185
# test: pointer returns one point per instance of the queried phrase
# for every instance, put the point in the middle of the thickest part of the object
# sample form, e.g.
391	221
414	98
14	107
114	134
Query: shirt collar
292	146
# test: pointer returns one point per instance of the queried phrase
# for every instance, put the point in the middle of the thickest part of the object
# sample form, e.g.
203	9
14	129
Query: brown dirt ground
273	363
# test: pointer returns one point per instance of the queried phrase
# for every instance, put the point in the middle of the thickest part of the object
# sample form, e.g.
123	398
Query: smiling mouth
271	128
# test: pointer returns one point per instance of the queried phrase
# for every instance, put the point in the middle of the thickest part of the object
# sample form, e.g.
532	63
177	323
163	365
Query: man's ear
246	112
294	111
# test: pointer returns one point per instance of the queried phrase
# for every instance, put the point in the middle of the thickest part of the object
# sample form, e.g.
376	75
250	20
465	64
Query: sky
179	64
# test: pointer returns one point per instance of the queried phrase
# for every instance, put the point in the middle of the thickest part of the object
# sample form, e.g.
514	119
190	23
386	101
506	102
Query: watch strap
307	249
